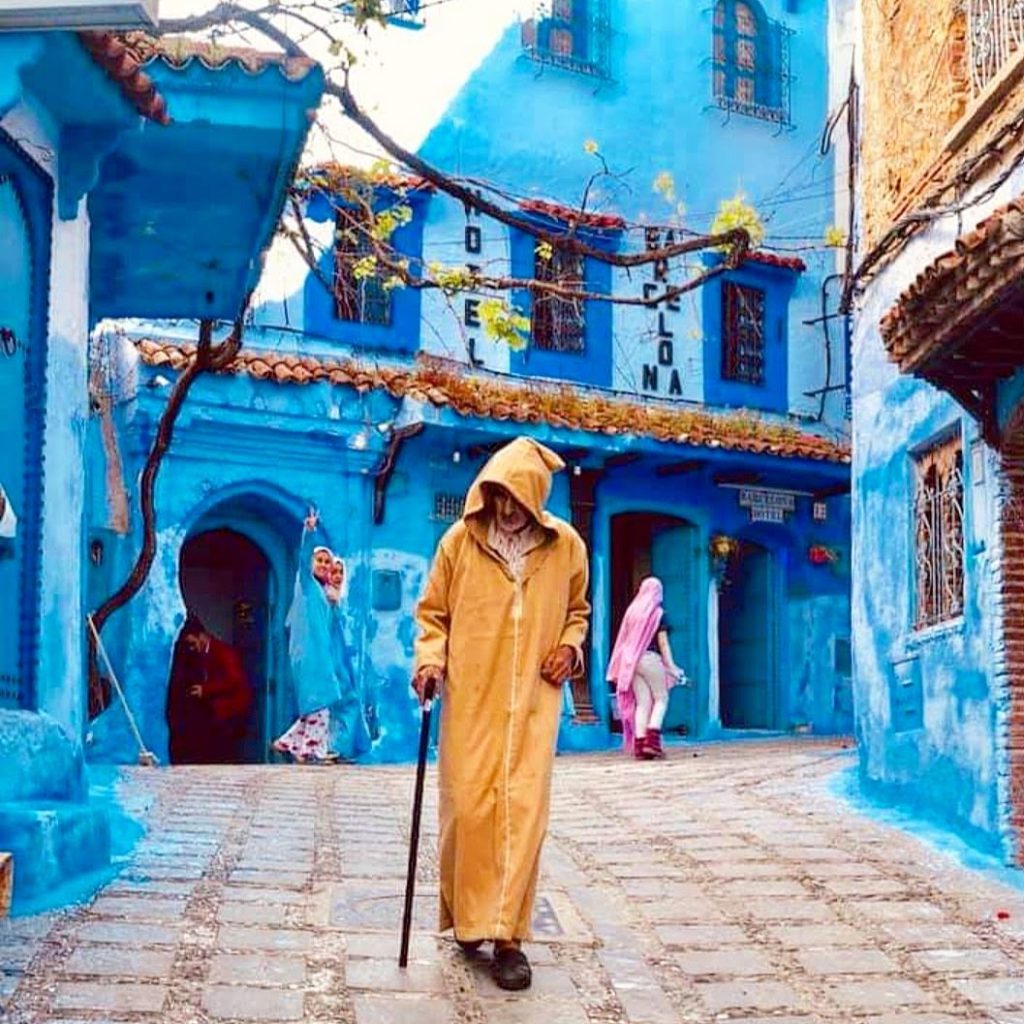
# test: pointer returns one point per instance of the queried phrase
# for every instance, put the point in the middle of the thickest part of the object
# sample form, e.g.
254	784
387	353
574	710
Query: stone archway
237	567
1010	587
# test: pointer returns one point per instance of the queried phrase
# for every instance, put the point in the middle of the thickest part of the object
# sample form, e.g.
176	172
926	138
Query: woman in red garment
208	698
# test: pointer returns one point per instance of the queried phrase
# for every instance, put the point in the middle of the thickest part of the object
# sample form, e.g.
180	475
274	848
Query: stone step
52	843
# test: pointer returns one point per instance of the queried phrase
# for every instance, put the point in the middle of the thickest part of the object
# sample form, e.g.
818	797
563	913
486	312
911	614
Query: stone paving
722	884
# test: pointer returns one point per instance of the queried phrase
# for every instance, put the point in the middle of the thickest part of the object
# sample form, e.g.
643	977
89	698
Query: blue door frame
26	210
748	650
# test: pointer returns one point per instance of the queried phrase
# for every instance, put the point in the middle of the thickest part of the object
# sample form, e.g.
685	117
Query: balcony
995	37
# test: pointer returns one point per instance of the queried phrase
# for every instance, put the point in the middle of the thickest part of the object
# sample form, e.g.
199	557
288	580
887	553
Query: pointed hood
524	468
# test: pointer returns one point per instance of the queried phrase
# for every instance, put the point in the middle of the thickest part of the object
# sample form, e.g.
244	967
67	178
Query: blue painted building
937	472
705	437
105	146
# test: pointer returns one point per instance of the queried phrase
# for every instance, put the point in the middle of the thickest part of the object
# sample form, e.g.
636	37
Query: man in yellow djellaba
501	627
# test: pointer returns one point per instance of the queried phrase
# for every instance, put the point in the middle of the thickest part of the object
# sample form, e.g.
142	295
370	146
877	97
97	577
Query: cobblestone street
728	885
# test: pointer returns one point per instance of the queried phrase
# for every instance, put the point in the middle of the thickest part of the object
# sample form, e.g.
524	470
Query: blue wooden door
15	327
746	632
674	561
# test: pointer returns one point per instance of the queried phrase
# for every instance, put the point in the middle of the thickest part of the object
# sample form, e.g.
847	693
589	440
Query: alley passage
728	885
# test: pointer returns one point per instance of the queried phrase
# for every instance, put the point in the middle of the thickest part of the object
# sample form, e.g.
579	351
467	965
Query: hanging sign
766	506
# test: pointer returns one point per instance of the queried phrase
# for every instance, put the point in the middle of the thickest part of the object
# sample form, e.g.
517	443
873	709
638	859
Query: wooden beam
571	454
625	459
737	476
678	468
477	451
831	492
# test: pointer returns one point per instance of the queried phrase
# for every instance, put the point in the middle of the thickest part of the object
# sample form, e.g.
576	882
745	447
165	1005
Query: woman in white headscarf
314	675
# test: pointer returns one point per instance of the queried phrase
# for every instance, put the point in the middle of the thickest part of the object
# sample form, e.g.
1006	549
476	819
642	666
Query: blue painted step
52	843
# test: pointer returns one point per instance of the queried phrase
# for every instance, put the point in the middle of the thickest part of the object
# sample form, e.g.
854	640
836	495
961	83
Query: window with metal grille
750	65
559	323
570	34
939	533
742	333
360	299
448	507
402	13
995	36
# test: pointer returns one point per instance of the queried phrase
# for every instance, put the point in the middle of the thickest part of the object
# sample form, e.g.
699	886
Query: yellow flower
665	185
590	146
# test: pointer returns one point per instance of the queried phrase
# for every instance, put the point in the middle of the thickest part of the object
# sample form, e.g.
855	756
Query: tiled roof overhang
124	55
179	52
598	221
959	324
771	259
112	53
489	398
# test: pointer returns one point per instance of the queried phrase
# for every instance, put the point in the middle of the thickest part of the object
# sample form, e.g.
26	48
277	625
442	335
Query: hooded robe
499	718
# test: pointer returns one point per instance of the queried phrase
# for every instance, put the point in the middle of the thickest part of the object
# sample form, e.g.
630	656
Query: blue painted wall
243	446
522	127
929	705
67	136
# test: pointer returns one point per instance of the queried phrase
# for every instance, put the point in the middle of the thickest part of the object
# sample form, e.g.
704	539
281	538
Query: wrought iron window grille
751	63
558	323
743	328
448	508
574	35
358	299
401	13
995	34
939	534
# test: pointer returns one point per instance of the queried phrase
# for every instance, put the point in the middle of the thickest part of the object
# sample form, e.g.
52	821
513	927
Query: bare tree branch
209	356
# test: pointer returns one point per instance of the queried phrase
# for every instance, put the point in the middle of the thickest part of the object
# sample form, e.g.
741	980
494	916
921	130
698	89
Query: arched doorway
646	544
225	580
746	642
25	211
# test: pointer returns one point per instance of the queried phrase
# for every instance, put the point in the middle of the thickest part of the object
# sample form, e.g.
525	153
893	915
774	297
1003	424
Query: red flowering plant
821	554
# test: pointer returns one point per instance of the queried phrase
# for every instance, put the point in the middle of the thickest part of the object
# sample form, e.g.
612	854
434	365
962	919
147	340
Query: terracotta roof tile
441	384
179	52
603	221
775	260
332	176
958	288
123	55
112	53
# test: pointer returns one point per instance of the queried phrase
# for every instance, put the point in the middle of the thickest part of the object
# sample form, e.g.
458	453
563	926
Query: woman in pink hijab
643	669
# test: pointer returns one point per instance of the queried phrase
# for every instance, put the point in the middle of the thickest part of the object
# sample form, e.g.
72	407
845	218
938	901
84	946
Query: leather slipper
510	969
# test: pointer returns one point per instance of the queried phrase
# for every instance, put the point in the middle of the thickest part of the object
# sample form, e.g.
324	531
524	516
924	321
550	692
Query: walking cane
417	808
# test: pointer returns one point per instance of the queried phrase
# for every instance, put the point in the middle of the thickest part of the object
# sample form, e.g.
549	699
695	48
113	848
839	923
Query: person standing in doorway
501	627
314	677
643	669
208	698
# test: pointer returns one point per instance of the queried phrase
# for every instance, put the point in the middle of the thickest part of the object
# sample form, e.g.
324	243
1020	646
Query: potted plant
722	550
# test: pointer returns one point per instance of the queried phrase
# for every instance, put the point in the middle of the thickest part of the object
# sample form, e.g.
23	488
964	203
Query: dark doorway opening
225	580
646	544
746	645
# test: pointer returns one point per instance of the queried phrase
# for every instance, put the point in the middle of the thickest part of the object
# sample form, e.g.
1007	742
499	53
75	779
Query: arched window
750	61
